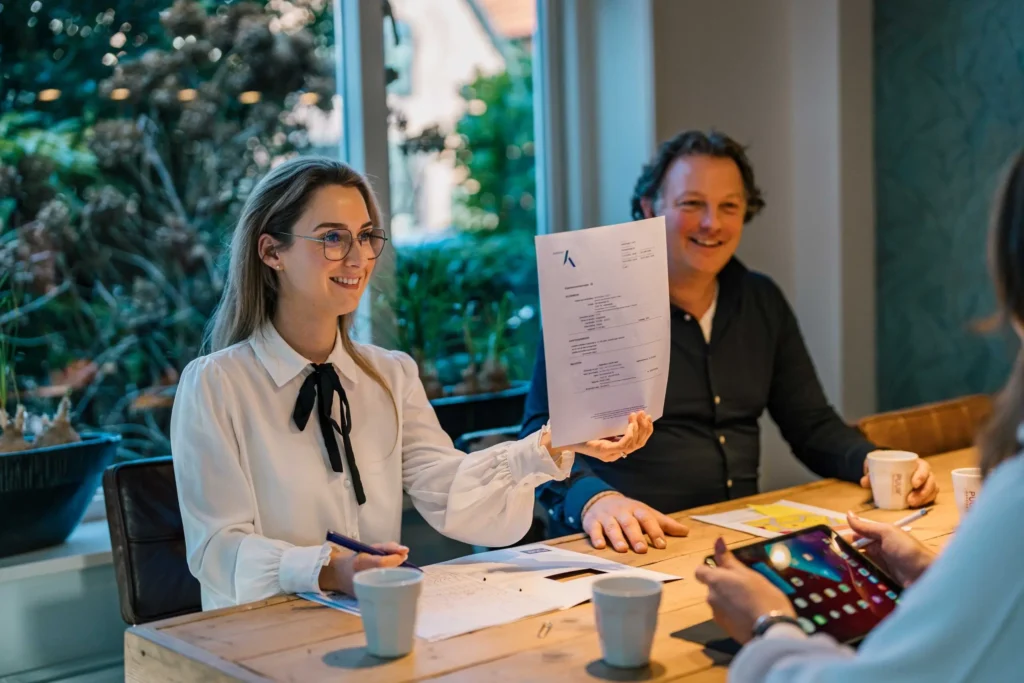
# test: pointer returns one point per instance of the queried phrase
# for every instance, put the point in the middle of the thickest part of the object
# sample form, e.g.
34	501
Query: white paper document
501	586
775	519
606	322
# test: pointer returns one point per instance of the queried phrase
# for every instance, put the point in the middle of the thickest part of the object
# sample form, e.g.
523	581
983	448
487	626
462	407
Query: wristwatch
766	621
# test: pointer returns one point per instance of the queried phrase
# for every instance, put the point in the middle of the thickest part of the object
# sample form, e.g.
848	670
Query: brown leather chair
148	541
932	428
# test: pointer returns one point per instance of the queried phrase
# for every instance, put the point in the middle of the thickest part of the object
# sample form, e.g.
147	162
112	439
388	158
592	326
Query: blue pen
355	546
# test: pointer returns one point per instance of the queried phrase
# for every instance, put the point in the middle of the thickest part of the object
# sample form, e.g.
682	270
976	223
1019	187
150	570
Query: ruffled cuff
300	568
529	461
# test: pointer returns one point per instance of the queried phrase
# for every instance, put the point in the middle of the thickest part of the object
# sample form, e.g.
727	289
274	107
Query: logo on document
534	551
567	260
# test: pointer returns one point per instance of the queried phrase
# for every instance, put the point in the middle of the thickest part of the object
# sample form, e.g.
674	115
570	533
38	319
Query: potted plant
48	478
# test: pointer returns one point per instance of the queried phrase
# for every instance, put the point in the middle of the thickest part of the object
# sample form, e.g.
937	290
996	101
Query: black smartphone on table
834	588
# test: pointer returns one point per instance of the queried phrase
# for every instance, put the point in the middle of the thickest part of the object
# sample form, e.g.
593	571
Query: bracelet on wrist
590	503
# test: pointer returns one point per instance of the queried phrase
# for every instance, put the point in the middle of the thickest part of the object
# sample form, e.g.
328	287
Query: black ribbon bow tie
323	384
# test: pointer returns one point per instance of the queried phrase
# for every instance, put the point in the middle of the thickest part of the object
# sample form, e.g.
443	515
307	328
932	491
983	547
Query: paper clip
545	629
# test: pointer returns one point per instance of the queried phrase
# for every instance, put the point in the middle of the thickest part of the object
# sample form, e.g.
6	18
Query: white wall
62	625
792	79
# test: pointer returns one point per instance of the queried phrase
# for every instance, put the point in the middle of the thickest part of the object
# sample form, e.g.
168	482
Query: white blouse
961	622
258	496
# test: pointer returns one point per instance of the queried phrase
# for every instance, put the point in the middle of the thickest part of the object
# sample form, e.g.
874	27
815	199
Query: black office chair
148	542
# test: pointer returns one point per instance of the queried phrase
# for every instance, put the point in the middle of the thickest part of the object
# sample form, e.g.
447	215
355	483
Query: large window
131	132
463	191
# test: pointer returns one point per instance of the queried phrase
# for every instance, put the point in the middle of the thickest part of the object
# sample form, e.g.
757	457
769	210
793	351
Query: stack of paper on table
776	519
501	586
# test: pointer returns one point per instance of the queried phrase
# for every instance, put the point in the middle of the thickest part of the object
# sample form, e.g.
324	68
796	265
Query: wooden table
289	639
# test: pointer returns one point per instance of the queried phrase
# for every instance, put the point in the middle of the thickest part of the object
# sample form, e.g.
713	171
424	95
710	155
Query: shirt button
721	439
687	317
718	399
729	483
571	521
348	484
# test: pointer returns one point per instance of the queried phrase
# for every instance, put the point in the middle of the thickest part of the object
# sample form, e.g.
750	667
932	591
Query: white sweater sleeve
224	552
962	621
483	498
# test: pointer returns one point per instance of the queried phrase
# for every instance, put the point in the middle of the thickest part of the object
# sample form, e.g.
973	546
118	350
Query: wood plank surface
289	639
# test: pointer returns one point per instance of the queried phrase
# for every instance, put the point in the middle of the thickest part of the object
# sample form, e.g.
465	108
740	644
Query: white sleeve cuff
530	463
300	568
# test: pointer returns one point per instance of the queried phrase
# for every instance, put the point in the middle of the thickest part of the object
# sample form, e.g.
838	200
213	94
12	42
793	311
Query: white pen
864	542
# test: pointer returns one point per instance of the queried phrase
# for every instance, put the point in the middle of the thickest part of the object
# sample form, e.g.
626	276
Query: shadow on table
718	646
598	669
353	658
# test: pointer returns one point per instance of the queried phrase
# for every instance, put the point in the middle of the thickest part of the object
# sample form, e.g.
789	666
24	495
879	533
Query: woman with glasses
261	478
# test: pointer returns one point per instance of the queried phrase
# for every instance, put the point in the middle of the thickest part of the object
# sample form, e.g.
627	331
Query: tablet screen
831	585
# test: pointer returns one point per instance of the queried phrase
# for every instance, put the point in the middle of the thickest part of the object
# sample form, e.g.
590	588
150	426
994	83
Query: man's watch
766	621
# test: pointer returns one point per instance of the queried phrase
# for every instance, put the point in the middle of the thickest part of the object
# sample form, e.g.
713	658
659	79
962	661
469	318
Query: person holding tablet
289	429
961	617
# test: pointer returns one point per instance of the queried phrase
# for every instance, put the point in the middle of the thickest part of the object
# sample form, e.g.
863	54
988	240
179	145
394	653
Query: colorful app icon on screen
877	599
872	579
797	581
815	598
891	595
800	602
863	604
843	587
830	593
820	620
835	614
863	572
806	624
849	609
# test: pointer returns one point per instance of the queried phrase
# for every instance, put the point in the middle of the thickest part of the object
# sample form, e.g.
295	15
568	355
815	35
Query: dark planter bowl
44	491
459	415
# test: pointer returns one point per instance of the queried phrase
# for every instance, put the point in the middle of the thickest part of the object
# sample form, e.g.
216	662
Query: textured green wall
949	113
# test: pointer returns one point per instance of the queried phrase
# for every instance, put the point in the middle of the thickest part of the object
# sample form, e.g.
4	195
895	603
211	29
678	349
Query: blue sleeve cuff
579	494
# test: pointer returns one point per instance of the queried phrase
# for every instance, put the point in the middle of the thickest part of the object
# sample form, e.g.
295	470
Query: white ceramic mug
966	487
890	473
626	608
387	603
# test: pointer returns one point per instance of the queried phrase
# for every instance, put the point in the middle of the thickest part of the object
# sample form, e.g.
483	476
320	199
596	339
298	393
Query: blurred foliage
464	306
130	136
496	153
117	196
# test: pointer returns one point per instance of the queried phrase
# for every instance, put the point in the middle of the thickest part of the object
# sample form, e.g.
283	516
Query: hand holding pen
865	541
337	574
894	550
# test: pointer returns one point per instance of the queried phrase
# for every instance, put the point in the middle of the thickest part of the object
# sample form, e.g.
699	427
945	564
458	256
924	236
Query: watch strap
766	621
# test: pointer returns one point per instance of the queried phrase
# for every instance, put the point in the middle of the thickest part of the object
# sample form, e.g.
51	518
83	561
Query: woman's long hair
250	296
999	440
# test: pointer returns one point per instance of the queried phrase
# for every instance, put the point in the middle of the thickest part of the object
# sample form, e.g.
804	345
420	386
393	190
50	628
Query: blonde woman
288	428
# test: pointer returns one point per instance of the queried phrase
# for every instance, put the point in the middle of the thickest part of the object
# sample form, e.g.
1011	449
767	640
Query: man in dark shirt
736	350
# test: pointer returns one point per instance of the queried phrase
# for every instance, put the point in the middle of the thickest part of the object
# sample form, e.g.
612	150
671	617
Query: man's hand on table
926	488
620	521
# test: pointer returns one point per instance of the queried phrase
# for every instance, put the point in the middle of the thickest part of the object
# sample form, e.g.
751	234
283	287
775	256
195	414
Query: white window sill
87	546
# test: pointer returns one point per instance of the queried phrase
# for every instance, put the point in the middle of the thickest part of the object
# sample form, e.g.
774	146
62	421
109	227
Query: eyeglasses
338	243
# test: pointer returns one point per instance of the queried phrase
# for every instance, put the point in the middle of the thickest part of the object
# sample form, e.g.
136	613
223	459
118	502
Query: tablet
833	587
